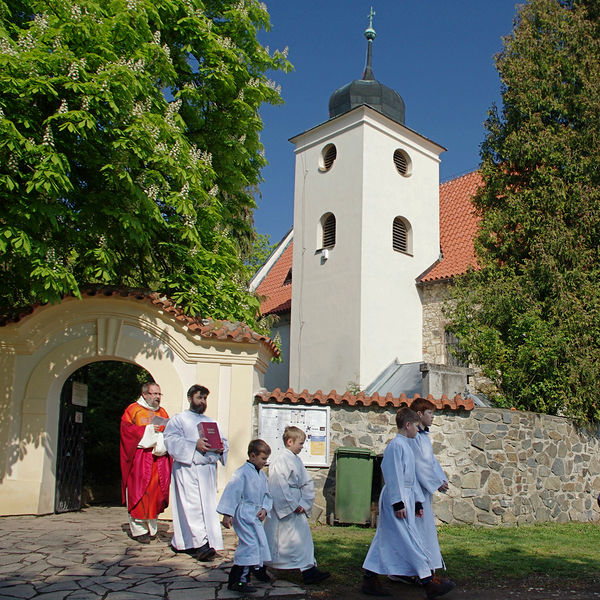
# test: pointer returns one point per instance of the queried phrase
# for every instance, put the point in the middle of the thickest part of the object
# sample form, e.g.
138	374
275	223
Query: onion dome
368	90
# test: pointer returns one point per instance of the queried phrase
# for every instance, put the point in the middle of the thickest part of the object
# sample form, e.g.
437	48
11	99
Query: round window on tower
403	163
328	156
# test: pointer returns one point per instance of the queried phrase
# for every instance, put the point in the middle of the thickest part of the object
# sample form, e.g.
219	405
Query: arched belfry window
328	156
401	236
328	230
402	163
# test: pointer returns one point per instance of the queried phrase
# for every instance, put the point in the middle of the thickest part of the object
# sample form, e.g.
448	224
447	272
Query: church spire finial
370	35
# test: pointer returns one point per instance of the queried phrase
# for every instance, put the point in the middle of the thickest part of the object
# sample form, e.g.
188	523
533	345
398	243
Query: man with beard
196	527
145	466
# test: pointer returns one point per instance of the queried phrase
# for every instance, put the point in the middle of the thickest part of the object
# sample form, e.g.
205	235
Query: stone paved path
88	555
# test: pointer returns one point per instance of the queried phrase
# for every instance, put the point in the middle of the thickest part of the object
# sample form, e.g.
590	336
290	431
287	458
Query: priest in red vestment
145	464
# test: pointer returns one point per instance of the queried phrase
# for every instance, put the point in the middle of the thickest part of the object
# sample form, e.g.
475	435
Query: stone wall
504	467
433	297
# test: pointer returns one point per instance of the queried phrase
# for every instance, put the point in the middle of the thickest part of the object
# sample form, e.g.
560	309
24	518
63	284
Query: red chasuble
145	477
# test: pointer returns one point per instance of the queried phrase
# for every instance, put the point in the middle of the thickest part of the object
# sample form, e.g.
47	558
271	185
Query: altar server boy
293	492
397	546
430	476
245	503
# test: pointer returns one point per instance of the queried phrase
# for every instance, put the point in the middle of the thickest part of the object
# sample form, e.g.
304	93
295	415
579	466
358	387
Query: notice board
313	420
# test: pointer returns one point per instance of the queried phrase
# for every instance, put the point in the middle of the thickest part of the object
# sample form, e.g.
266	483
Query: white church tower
366	225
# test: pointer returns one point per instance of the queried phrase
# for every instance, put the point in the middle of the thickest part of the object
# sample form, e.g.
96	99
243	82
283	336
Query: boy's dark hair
406	415
292	432
197	388
422	404
258	446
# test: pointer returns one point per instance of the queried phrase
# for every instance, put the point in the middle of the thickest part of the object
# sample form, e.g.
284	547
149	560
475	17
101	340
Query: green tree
129	147
530	316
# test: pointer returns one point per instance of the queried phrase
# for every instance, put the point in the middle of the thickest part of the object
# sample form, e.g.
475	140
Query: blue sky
437	54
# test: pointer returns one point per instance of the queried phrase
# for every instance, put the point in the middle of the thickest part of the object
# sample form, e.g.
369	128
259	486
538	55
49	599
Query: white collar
142	402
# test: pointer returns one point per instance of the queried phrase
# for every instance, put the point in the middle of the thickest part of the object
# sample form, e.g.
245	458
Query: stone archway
41	350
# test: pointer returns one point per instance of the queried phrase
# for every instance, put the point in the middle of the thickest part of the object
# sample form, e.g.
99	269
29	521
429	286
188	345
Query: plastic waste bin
353	480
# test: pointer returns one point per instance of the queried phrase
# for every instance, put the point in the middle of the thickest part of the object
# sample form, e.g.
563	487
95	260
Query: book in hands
210	431
160	421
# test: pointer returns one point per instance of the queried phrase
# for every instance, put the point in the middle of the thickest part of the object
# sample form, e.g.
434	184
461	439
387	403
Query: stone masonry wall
504	467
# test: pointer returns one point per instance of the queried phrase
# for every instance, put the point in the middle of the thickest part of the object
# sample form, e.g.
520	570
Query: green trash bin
353	480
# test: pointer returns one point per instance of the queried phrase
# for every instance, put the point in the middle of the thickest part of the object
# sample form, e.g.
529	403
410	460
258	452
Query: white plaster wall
325	326
357	311
391	312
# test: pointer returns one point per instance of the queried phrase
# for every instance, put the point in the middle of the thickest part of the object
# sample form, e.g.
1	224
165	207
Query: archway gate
41	349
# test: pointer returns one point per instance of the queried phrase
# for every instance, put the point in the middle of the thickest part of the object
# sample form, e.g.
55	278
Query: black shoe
372	586
260	574
142	539
313	575
205	554
438	587
242	587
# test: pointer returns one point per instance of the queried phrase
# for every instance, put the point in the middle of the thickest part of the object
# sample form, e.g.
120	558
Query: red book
210	431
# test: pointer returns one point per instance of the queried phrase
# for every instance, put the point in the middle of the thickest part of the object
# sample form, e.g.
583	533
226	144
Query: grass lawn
555	555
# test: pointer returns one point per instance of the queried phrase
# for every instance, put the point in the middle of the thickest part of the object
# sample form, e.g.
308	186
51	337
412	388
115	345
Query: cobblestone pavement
88	555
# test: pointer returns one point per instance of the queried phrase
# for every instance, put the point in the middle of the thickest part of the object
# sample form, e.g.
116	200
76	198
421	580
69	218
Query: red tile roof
205	328
333	398
458	227
278	297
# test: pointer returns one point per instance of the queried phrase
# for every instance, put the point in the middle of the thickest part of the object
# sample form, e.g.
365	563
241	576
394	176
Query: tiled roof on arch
234	331
334	399
458	227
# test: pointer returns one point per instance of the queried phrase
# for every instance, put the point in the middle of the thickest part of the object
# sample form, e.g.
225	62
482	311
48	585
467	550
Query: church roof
458	226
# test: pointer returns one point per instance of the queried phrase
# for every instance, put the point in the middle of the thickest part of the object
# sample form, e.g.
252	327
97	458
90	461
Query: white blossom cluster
1	113
154	132
185	192
6	47
172	110
139	108
175	150
253	82
242	139
137	66
131	4
76	13
41	20
167	52
162	148
63	108
13	163
240	95
226	43
156	38
74	69
48	139
152	192
285	52
189	221
26	42
273	85
85	103
214	190
57	42
102	241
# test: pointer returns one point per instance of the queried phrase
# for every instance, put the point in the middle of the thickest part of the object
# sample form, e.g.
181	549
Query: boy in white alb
245	503
293	493
397	546
430	476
